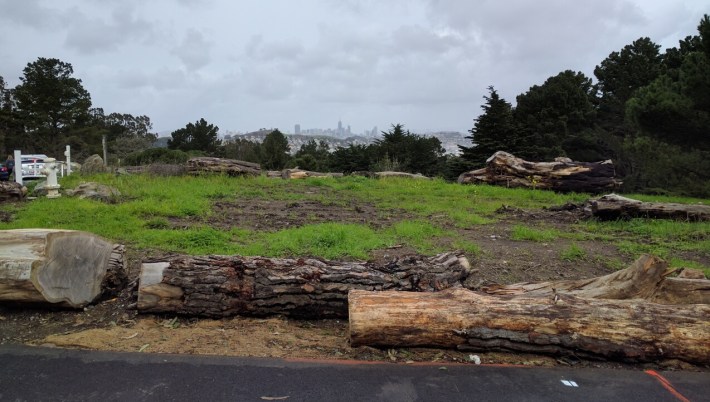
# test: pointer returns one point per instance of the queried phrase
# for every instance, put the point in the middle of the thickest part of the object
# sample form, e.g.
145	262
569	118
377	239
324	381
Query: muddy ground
113	324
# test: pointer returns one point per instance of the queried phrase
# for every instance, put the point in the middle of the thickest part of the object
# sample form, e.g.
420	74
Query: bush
157	155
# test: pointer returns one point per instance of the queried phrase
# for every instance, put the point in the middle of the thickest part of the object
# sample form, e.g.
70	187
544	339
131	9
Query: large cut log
628	330
563	174
218	286
229	167
62	267
647	278
613	206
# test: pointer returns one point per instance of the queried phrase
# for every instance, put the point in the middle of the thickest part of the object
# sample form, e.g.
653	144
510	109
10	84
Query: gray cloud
194	50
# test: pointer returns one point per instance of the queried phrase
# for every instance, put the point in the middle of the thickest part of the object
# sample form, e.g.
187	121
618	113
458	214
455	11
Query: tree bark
219	286
563	174
647	278
62	267
229	167
613	206
627	330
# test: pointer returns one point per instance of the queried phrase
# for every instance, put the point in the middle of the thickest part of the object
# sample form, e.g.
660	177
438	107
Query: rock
688	273
92	165
40	189
95	191
12	190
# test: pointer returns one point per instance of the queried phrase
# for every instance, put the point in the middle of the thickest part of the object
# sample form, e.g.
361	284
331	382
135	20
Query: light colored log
64	267
647	278
563	174
628	330
614	206
229	167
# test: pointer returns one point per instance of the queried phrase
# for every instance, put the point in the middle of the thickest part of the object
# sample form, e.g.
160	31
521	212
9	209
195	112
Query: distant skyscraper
297	129
375	132
349	132
340	128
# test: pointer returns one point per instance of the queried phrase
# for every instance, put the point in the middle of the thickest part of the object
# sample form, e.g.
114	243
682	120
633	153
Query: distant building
297	129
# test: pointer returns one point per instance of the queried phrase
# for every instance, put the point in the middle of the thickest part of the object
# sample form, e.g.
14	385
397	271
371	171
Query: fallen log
647	278
61	267
229	167
627	330
504	169
219	286
381	175
302	174
613	206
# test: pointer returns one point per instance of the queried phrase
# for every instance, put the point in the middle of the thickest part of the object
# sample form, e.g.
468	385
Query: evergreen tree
494	130
275	151
553	115
199	136
51	104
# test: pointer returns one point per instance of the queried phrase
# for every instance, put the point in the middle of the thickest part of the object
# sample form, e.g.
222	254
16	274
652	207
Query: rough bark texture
504	169
229	167
218	286
62	267
647	278
302	174
628	330
613	206
10	190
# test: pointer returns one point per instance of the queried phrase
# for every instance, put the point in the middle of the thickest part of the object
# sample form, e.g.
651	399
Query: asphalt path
45	374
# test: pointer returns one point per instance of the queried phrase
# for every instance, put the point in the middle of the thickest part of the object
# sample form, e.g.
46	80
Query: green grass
573	252
142	218
521	232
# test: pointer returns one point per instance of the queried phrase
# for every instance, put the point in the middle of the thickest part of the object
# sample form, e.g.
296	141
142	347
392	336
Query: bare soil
113	324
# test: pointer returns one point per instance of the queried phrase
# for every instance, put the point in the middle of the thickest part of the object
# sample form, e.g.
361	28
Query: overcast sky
247	64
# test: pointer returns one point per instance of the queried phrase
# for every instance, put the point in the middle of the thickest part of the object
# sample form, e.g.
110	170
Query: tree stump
219	286
61	267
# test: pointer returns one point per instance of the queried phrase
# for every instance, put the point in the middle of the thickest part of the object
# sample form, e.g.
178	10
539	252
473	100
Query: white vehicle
32	166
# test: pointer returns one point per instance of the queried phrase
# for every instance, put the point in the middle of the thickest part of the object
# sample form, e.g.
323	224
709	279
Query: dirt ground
113	324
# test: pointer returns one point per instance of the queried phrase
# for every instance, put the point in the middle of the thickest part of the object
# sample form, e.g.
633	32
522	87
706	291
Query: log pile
613	206
59	267
504	169
219	286
230	167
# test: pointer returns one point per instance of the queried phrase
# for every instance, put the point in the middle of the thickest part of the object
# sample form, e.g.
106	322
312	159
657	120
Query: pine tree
493	131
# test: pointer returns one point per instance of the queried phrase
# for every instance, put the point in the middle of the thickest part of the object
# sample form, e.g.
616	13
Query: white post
50	169
67	153
18	166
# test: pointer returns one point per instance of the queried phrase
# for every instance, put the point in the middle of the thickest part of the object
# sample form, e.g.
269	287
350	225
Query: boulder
40	189
95	191
92	165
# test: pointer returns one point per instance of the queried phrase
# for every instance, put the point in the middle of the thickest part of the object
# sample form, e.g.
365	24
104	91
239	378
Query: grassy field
428	216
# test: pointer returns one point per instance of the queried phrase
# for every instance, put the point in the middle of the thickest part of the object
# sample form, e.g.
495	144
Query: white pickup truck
32	166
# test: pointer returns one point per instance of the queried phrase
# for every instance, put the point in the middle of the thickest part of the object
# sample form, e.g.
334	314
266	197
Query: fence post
67	153
18	166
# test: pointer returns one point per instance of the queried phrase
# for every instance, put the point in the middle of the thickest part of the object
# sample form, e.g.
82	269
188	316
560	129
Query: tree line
648	111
